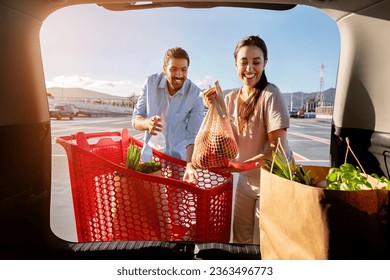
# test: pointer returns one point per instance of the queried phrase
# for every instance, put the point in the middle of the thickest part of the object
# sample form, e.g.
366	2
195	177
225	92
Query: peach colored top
271	114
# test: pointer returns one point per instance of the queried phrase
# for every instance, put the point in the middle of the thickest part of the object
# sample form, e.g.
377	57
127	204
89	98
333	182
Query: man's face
176	73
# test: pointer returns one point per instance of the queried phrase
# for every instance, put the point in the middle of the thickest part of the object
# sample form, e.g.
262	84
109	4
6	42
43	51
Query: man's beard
174	84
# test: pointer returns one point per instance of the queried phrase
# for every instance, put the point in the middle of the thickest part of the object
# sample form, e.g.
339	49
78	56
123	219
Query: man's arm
189	152
195	120
140	120
140	123
190	175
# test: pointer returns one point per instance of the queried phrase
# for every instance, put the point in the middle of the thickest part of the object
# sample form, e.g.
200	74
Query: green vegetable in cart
149	167
133	157
133	161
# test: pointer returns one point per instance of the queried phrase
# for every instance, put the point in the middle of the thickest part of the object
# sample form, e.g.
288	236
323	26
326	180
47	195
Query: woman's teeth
249	76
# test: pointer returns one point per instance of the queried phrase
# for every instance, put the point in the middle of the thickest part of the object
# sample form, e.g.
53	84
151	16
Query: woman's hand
238	166
208	95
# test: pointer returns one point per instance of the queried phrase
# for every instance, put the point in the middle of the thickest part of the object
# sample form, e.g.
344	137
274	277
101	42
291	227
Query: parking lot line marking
123	122
299	157
318	139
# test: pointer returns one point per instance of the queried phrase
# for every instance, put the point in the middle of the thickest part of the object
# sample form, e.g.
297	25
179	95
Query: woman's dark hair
177	53
248	107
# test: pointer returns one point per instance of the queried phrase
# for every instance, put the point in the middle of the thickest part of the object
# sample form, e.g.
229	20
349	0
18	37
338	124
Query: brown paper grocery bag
303	222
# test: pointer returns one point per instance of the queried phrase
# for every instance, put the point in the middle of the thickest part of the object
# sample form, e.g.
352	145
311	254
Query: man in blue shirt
170	111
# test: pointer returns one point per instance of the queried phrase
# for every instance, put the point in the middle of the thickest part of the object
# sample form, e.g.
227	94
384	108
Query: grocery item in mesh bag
215	145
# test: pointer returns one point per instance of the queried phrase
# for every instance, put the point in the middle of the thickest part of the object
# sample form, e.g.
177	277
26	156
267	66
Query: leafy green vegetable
133	157
346	177
383	180
284	169
149	167
349	178
133	161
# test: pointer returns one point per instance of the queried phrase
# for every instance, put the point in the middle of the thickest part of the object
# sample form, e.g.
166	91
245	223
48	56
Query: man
170	108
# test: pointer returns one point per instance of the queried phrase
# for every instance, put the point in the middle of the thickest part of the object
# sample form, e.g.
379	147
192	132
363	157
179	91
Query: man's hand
154	125
190	175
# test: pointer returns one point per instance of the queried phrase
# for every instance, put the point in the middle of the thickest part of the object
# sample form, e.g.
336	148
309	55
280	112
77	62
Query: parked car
297	114
60	111
75	109
293	113
361	113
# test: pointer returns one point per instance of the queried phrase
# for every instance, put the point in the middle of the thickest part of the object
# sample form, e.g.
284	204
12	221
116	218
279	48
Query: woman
260	117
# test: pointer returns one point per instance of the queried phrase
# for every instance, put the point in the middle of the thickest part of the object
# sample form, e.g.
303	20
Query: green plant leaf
133	156
347	177
281	167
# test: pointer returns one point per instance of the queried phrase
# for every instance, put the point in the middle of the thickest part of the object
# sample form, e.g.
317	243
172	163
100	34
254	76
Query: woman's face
250	65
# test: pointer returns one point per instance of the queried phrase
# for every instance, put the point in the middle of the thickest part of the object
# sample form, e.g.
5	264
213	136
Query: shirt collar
163	85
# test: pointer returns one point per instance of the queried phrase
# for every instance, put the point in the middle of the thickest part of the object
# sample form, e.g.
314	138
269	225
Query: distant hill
81	93
300	96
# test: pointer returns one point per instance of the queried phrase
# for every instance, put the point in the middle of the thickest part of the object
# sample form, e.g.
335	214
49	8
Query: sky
87	46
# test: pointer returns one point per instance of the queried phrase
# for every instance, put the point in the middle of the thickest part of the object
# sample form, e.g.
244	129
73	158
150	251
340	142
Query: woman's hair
177	53
248	107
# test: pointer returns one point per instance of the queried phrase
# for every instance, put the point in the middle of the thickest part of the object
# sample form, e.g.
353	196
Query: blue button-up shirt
184	114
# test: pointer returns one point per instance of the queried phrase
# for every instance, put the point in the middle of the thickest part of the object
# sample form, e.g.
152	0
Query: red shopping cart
112	202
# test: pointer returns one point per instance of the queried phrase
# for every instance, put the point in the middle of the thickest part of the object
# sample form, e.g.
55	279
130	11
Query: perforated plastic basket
112	202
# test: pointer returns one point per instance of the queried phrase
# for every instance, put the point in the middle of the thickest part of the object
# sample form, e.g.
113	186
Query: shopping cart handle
102	134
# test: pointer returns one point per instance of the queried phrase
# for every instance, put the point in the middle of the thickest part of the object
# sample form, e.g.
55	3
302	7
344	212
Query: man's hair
177	53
